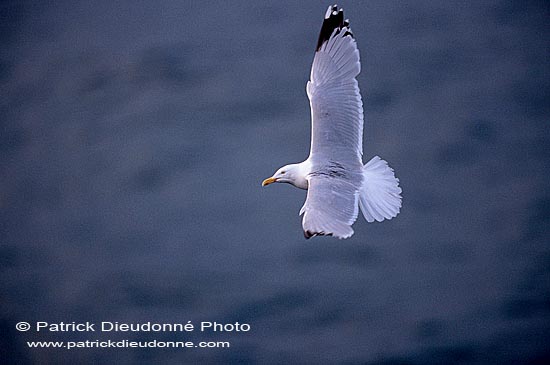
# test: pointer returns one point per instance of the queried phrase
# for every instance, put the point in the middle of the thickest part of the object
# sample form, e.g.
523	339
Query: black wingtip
334	19
309	234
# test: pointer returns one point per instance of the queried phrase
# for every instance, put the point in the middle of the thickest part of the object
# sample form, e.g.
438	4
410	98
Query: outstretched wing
331	206
336	106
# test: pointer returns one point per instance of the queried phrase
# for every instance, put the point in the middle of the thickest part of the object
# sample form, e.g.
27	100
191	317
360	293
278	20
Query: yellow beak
269	180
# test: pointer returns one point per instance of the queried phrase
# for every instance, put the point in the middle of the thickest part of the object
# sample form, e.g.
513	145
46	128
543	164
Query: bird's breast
301	183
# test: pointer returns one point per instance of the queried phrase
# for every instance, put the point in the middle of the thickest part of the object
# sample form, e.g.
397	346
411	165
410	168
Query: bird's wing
331	206
336	106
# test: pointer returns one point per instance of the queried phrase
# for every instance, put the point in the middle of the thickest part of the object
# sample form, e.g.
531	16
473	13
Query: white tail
380	195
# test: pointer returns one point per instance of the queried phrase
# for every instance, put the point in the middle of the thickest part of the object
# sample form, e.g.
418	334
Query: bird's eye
282	172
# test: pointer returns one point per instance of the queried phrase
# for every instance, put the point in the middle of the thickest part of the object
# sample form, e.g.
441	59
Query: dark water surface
134	137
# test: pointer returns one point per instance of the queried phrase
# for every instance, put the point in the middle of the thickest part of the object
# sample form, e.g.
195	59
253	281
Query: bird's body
334	175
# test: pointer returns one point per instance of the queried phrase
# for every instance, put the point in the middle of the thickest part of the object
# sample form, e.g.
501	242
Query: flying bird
337	182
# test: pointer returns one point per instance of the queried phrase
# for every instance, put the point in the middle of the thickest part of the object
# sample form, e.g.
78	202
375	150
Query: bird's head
286	174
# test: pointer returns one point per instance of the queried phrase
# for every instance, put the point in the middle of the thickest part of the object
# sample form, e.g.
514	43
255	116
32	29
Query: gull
337	182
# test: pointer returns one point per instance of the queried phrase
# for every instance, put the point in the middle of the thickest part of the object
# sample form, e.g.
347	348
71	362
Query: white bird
337	183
